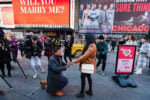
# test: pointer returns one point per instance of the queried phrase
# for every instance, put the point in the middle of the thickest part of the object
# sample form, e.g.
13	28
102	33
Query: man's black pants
102	59
3	68
67	55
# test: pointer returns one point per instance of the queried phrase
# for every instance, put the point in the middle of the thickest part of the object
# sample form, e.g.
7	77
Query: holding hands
69	64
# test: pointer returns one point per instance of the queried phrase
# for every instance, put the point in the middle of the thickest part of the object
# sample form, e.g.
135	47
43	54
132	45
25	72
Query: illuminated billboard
132	16
6	16
41	13
5	0
96	16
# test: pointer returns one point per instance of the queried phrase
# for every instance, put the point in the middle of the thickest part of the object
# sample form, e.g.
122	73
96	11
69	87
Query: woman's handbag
87	68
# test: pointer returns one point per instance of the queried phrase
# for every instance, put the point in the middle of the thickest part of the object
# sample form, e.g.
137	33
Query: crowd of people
94	49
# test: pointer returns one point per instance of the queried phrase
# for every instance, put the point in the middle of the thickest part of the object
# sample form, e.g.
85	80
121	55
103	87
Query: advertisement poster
125	59
5	0
41	13
72	14
132	16
6	16
96	16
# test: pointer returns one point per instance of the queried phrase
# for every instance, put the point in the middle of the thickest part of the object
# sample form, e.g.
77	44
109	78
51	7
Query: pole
21	69
6	82
15	60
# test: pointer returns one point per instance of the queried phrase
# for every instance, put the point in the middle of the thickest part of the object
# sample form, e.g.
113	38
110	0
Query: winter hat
29	34
56	48
34	37
101	37
145	37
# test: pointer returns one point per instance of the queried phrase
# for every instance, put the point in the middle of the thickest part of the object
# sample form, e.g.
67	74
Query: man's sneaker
59	93
138	71
35	76
42	70
103	73
1	92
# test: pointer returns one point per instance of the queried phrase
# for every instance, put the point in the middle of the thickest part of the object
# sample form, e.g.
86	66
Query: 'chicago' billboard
96	16
132	16
41	13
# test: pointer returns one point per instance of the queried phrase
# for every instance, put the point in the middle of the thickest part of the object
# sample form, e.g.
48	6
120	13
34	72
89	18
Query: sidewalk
103	86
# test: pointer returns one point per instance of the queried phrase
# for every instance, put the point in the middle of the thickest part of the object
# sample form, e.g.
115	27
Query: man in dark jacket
5	57
21	48
48	47
55	81
33	48
102	48
113	45
68	46
1	37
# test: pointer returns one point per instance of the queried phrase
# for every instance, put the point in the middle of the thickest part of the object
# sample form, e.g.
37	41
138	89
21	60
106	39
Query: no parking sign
125	59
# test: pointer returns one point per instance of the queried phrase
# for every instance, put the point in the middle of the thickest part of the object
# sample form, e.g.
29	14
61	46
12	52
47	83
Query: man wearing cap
102	48
33	48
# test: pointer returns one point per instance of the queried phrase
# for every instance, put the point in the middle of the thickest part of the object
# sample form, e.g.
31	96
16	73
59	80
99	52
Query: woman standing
14	47
131	40
143	60
88	57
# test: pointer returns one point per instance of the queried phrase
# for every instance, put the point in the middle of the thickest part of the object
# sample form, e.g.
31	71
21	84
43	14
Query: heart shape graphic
126	52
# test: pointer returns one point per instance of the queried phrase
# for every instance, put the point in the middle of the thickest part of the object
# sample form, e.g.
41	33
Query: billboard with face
96	16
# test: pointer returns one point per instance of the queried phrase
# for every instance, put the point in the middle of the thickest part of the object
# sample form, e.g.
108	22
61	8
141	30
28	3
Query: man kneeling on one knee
55	80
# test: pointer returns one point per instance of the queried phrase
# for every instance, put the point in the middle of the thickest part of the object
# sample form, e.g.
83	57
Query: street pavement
104	88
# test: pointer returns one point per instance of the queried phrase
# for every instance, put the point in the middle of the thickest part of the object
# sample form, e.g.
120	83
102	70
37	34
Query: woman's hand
138	53
69	64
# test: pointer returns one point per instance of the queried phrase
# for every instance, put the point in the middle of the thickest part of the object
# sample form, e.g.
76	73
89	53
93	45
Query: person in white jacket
143	60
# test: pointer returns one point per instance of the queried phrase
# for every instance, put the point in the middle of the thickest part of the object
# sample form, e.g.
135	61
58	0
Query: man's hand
69	64
0	45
